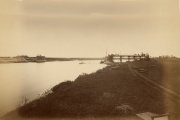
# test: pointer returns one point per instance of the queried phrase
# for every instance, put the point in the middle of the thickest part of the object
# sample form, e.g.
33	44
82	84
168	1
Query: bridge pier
120	59
128	58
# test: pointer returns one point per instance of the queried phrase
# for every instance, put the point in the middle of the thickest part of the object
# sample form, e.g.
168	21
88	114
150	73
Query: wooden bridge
135	57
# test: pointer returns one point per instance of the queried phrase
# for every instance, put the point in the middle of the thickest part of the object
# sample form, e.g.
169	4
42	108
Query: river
30	80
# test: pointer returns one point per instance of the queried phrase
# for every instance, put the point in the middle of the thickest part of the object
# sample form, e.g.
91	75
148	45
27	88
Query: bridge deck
126	57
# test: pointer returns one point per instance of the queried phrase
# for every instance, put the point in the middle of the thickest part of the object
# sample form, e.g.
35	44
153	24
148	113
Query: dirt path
173	95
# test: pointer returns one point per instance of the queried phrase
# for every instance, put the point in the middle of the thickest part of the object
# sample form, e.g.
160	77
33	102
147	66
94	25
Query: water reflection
32	79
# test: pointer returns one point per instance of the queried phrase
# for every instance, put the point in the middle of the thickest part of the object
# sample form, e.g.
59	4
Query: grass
103	94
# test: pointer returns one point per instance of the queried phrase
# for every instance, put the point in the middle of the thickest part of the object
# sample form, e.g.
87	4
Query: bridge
120	58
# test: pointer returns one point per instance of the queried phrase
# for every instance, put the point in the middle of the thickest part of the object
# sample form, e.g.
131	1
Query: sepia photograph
89	59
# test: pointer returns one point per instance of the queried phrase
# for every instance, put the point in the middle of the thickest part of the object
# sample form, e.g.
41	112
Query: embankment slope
112	91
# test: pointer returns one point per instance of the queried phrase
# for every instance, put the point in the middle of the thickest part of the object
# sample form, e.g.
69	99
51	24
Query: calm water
30	80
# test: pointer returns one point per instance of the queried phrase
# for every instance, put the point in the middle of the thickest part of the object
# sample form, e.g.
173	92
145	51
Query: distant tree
110	58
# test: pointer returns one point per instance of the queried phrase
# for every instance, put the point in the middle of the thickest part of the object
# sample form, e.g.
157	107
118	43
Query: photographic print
89	60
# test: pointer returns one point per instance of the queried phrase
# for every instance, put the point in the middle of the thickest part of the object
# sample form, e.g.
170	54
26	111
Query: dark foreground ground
113	92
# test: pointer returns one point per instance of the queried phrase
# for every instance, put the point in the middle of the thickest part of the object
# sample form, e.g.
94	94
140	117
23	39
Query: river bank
30	80
111	91
39	59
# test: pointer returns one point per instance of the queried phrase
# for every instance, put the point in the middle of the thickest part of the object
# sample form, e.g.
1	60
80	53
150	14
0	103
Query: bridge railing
112	57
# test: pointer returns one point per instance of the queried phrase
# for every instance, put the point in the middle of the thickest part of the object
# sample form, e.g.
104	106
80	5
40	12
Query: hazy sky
89	28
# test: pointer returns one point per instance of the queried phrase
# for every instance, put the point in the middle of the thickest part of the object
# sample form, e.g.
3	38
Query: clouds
89	13
105	7
85	7
84	25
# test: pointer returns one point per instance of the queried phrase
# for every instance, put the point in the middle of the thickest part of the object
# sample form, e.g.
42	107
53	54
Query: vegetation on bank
39	59
111	91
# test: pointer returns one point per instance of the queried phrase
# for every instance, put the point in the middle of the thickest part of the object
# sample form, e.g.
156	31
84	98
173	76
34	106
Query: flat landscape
114	91
89	59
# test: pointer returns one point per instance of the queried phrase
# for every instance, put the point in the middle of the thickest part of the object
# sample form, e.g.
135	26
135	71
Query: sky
89	28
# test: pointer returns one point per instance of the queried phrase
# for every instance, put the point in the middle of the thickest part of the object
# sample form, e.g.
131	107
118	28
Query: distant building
40	58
